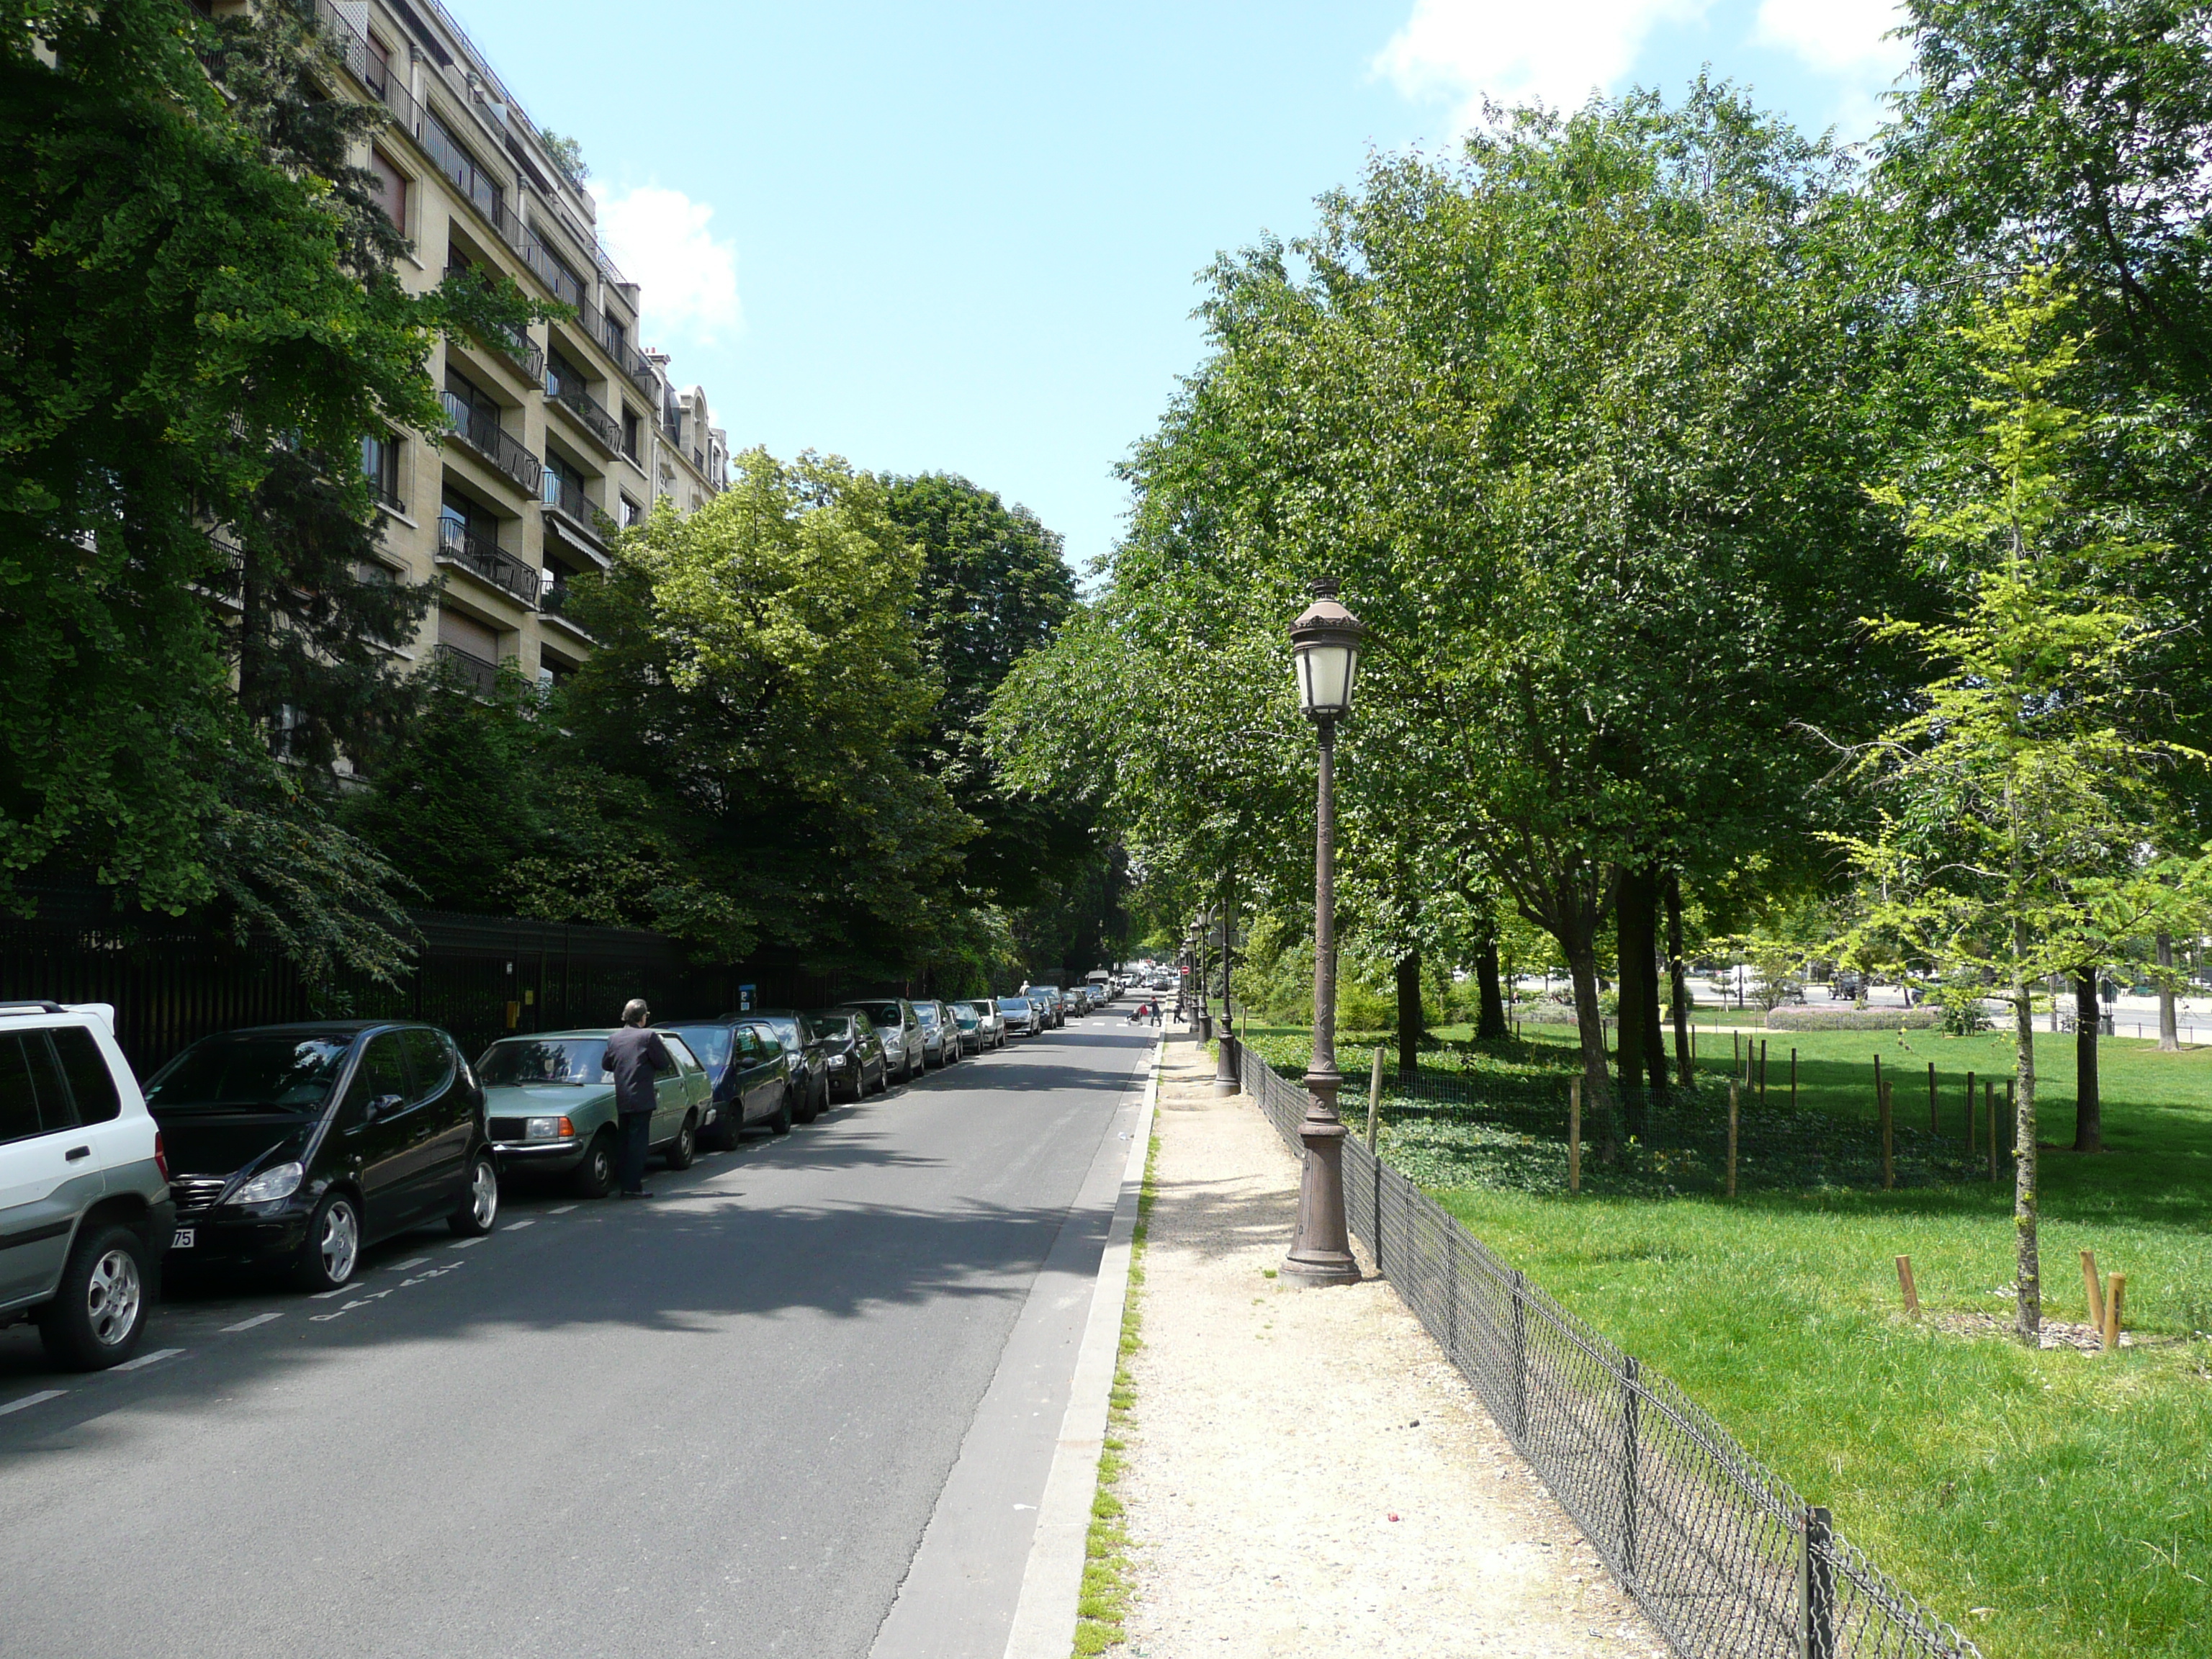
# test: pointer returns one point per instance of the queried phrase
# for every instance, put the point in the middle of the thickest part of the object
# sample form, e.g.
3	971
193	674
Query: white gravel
1307	1473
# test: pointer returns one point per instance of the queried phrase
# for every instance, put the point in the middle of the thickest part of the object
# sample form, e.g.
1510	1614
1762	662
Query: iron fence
1723	1557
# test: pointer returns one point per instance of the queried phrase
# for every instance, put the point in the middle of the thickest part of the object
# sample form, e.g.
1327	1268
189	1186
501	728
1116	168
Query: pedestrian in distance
635	1056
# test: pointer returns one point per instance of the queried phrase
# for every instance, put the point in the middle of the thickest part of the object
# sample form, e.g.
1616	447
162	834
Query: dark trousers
637	1135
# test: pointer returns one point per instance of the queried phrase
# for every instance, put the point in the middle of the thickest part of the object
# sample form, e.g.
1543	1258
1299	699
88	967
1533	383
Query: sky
967	237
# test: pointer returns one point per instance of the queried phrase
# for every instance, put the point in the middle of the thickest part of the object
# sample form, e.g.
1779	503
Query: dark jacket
633	1056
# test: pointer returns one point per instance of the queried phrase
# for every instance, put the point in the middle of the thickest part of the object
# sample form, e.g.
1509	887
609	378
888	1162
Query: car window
89	1079
430	1061
383	1071
769	1040
267	1070
711	1044
680	1052
520	1061
787	1031
32	1100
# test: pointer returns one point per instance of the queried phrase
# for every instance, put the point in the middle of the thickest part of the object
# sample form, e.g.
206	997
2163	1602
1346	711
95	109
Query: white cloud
1837	37
688	277
1513	51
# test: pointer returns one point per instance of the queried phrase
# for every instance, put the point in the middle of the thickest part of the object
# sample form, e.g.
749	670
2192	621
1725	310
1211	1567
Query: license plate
182	1240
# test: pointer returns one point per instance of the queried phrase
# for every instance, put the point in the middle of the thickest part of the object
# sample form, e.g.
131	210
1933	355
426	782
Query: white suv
85	1214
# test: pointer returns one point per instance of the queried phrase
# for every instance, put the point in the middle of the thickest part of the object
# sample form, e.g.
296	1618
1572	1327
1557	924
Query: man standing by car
634	1056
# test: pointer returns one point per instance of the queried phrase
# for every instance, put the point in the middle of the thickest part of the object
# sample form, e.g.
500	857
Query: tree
2015	794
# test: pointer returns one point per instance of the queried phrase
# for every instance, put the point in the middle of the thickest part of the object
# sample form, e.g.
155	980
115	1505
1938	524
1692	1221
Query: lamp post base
1225	1081
1322	1253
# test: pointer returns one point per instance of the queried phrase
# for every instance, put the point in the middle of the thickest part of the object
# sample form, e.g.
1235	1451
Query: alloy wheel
340	1244
483	1194
113	1295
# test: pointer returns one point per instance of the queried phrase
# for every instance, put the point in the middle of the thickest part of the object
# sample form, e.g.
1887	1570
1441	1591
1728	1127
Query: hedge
1854	1019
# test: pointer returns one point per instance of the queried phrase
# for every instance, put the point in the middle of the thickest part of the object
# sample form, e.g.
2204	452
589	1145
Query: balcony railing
479	428
567	497
554	602
561	282
386	83
572	397
526	352
486	559
479	676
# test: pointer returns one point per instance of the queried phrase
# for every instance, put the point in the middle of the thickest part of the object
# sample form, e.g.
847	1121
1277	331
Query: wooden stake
1934	1125
1574	1135
1374	1096
1732	1087
2116	1290
1970	1114
1990	1102
2095	1296
1735	1048
1905	1283
1888	1146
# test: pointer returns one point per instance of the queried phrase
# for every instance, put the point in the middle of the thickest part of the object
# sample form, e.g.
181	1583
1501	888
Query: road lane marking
325	1296
249	1324
412	1262
466	1243
561	1209
38	1399
146	1359
517	1226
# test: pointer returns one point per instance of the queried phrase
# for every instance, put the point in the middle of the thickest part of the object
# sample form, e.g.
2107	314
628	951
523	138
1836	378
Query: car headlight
836	1060
270	1185
542	1128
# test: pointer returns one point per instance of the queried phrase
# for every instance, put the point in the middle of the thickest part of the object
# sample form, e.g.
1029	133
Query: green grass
2067	1495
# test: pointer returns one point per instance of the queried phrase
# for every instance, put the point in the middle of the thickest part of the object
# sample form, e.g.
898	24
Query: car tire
683	1151
479	1211
97	1314
723	1134
595	1176
331	1253
814	1100
779	1122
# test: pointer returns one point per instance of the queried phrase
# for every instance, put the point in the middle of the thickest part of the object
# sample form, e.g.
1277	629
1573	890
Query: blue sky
964	237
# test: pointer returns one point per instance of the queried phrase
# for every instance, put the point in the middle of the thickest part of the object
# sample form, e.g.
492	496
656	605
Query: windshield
926	1013
710	1043
520	1061
785	1027
283	1072
884	1013
831	1025
963	1015
1013	1004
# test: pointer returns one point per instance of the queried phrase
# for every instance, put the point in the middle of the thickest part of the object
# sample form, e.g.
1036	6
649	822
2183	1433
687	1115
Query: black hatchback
298	1145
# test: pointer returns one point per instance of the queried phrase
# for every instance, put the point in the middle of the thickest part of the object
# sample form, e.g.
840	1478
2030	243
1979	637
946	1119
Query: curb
1052	1579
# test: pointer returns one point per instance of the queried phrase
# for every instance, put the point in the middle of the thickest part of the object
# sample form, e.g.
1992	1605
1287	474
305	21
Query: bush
1854	1019
1961	1009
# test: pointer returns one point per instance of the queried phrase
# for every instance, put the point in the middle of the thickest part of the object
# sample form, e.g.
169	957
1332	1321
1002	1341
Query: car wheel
479	1211
723	1134
812	1100
99	1309
780	1122
684	1150
332	1248
595	1175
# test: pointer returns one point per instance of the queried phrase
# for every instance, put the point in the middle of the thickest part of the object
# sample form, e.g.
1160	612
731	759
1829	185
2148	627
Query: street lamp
1198	956
1225	1075
1325	646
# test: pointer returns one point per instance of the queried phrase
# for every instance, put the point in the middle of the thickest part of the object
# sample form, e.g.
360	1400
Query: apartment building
557	434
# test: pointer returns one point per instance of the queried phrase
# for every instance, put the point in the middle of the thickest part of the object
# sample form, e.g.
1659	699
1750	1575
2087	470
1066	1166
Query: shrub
1854	1019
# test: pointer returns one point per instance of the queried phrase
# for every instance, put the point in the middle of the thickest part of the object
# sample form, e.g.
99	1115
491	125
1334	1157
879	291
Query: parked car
754	1076
994	1024
853	1052
900	1031
85	1213
940	1044
968	1028
1049	998
550	1104
300	1146
1023	1017
795	1030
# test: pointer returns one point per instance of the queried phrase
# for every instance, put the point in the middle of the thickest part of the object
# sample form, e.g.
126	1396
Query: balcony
387	84
479	428
553	602
562	283
570	395
526	352
473	671
487	561
567	499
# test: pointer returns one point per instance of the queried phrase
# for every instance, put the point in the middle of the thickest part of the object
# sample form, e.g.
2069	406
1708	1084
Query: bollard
2116	1290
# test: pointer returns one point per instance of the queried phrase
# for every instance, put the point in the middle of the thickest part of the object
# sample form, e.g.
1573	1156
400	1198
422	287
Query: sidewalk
1276	1431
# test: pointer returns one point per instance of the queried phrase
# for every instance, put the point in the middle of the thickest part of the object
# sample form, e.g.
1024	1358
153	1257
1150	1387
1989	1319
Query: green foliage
568	154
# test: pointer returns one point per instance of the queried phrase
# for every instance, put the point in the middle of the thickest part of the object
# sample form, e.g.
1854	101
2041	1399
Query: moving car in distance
297	1147
853	1052
85	1213
1021	1016
986	1010
549	1102
757	1077
896	1024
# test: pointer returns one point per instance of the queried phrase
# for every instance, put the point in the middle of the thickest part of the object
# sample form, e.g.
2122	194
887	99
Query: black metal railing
563	284
385	81
483	557
569	392
526	352
554	602
479	428
567	496
479	676
1723	1557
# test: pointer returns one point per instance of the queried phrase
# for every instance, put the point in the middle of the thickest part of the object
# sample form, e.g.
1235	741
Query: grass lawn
2050	1503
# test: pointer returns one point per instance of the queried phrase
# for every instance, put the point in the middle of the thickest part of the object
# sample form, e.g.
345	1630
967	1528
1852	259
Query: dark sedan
900	1027
810	1056
853	1052
297	1145
757	1080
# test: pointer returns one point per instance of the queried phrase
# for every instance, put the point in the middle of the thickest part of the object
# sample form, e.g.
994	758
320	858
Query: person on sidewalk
635	1056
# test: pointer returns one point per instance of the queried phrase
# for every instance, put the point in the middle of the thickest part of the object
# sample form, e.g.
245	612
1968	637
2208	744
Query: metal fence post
1629	1409
1518	1290
1451	1291
1816	1589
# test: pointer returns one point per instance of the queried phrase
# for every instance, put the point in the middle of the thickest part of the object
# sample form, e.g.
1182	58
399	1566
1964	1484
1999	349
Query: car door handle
77	1152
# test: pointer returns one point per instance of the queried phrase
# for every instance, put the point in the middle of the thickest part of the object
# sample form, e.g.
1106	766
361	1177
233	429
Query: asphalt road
718	1423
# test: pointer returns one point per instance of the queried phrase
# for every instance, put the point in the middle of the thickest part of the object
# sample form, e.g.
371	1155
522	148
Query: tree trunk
1632	917
2088	1109
1410	1023
1678	975
1492	1023
1597	1087
2027	1272
2169	1028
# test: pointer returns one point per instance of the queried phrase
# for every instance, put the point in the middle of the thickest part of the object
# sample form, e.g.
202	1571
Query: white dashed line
561	1209
325	1296
249	1324
412	1262
146	1359
38	1399
517	1226
465	1243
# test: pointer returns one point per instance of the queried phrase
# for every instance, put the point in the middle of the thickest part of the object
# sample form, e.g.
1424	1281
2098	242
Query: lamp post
1198	957
1226	1076
1325	644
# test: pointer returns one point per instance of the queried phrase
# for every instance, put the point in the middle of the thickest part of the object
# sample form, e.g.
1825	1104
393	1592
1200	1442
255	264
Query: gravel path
1307	1473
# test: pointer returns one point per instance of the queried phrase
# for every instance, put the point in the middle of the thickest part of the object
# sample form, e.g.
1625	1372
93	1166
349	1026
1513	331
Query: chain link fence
1723	1557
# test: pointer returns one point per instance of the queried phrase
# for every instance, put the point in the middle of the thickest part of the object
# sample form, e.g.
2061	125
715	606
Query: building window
631	513
562	378
380	67
631	429
458	165
379	464
390	188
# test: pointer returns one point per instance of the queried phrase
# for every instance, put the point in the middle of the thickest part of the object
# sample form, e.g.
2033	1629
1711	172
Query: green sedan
549	1104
